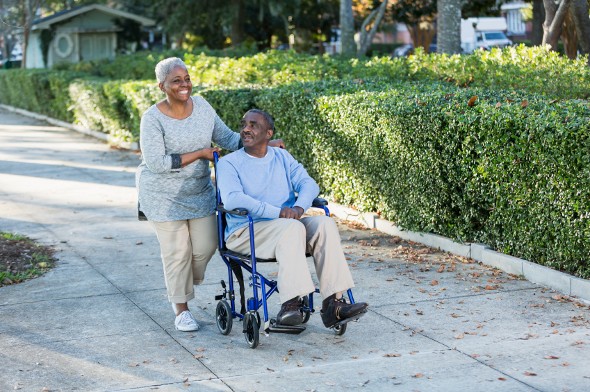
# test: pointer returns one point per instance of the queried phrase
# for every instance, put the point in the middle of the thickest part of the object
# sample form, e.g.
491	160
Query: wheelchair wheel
251	329
306	313
223	317
340	329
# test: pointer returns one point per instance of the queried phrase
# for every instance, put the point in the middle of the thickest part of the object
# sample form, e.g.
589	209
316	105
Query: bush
491	147
511	170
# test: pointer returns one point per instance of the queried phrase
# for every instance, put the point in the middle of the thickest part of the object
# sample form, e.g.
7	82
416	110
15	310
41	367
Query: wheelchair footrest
354	318
291	329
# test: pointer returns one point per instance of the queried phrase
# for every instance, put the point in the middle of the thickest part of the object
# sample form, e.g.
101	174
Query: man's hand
276	143
291	213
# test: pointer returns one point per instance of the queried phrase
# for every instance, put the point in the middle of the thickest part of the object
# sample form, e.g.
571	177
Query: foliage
511	170
489	147
536	70
22	259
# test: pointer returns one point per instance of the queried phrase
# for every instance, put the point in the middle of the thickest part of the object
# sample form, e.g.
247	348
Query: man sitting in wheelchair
265	181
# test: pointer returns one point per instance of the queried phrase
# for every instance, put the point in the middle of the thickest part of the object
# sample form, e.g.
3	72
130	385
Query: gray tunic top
167	192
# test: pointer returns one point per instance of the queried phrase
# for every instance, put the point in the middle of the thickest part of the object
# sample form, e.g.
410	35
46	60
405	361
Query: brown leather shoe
338	310
290	313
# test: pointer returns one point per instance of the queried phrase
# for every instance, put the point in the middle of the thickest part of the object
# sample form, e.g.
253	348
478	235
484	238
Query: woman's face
177	84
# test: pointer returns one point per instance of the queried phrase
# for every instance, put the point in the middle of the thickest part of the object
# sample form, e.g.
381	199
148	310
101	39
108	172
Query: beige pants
186	247
287	240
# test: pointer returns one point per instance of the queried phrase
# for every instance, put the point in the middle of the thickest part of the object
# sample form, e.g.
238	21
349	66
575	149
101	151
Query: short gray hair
164	67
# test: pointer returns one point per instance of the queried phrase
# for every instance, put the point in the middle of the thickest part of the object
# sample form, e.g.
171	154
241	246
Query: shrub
510	170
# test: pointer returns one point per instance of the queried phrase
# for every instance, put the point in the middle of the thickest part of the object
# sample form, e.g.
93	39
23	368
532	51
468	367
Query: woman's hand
207	153
277	143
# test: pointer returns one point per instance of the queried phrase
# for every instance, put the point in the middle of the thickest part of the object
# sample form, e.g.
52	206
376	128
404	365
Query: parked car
15	59
491	39
408	49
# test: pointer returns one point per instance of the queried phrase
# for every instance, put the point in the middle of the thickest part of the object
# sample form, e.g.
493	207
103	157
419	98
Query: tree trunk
554	16
422	34
538	17
237	24
449	26
367	37
582	22
347	28
568	35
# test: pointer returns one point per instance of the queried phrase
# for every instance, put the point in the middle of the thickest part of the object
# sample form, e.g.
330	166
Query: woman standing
175	192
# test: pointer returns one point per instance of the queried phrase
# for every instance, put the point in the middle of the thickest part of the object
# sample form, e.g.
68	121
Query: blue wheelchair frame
262	287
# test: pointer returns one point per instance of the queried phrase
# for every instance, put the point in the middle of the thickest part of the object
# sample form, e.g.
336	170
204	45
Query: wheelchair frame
262	287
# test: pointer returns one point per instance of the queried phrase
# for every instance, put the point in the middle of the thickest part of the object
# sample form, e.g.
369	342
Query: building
83	33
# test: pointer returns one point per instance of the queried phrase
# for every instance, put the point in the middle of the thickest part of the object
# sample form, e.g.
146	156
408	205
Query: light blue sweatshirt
263	185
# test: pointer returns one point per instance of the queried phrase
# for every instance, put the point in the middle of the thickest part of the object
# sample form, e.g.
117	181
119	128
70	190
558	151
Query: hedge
511	171
492	147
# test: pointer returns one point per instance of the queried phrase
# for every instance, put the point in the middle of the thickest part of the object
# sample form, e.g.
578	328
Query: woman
174	182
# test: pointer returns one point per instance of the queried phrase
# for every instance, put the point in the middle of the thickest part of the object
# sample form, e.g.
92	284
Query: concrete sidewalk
100	320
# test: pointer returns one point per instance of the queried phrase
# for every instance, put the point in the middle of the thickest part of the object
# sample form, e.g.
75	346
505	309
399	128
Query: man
264	180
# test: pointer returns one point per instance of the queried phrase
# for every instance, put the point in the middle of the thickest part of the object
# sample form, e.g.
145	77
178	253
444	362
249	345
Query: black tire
306	313
251	329
340	329
223	317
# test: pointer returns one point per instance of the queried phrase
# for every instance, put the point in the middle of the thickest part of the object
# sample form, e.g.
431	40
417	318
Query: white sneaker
186	322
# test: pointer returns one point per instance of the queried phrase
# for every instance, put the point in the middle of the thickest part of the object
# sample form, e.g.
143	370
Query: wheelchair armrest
235	211
319	202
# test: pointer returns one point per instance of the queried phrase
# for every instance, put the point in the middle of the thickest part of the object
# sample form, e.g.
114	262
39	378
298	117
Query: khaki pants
287	240
186	247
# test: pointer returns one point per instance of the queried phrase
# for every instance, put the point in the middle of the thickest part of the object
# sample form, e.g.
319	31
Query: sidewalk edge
78	128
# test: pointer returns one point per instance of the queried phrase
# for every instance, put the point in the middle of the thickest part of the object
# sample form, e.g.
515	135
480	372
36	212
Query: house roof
45	23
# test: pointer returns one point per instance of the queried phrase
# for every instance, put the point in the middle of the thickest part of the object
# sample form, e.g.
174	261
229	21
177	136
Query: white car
491	39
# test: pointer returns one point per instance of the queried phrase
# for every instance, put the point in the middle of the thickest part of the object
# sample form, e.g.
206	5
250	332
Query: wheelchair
262	287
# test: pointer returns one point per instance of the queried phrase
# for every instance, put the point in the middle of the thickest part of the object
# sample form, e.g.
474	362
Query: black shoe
336	311
290	313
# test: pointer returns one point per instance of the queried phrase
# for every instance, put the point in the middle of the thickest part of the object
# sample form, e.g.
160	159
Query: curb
564	283
78	128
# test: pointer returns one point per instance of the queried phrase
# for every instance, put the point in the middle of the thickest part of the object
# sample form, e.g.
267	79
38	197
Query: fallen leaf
460	336
527	373
441	269
434	282
524	103
501	379
392	355
550	357
418	375
472	100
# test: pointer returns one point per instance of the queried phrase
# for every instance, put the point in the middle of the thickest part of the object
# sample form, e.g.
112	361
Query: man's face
255	131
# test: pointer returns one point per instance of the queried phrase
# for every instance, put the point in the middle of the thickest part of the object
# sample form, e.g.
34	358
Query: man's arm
305	186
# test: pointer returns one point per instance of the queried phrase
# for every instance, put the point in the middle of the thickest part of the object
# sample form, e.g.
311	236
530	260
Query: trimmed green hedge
504	161
512	171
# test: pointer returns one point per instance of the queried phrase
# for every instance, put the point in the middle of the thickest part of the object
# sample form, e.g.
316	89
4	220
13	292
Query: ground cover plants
22	259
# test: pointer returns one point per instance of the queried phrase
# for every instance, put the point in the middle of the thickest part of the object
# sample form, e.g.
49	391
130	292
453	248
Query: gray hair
164	67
